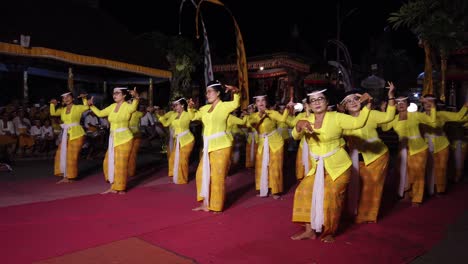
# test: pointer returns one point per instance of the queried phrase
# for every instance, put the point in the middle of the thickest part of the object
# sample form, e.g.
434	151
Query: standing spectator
22	126
48	137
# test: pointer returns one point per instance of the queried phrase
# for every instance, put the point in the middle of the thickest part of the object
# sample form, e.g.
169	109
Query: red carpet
251	230
132	250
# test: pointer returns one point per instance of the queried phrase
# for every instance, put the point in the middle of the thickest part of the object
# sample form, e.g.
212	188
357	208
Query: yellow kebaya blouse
179	125
216	121
134	123
366	139
283	127
436	130
233	124
408	130
328	139
292	123
73	117
267	126
118	120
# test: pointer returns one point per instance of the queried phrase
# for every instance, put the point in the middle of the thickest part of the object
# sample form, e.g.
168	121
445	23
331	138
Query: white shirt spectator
104	122
47	132
10	128
35	131
91	120
18	124
148	119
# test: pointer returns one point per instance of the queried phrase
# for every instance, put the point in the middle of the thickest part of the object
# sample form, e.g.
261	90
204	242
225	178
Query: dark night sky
267	25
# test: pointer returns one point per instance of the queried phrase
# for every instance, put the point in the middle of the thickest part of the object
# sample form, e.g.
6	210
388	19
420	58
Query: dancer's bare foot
109	191
328	239
415	204
258	195
121	192
201	208
276	196
308	234
64	180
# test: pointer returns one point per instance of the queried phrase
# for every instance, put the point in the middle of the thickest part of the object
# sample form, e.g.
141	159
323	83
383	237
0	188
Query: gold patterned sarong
73	154
219	162
184	160
416	165
372	183
440	168
133	156
334	195
121	159
275	171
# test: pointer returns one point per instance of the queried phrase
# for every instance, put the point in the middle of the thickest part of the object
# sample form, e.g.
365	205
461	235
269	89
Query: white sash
265	161
404	167
177	155
316	207
205	188
110	153
63	147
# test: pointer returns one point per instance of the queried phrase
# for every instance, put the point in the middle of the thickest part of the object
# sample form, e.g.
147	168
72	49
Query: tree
439	25
182	57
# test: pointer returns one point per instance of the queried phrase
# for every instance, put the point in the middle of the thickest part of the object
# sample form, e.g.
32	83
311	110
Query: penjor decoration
206	46
243	81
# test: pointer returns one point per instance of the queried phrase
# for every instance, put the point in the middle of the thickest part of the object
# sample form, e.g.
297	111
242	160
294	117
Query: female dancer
72	139
371	172
120	138
319	197
269	156
413	149
217	146
438	145
183	139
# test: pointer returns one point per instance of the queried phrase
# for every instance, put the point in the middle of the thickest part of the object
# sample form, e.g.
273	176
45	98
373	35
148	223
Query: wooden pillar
25	87
70	79
104	90
150	92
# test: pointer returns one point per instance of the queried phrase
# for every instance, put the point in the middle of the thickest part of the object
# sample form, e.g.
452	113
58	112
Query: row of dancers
339	155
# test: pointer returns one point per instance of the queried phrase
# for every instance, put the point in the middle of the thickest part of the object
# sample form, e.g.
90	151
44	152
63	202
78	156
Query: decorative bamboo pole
70	79
150	96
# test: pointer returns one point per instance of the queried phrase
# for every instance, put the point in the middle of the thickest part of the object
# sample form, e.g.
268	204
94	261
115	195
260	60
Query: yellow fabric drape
41	52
